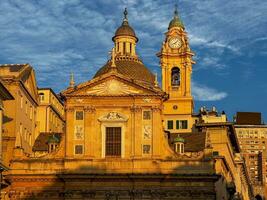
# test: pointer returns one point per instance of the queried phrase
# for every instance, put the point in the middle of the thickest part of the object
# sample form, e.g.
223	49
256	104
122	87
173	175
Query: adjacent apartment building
19	122
252	137
4	96
50	112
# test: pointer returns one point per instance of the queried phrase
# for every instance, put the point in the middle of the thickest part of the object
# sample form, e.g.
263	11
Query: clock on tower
176	64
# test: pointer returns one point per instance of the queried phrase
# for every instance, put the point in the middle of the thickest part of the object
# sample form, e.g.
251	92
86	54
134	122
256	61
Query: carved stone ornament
89	109
156	109
112	87
147	100
113	117
136	109
69	109
79	100
147	130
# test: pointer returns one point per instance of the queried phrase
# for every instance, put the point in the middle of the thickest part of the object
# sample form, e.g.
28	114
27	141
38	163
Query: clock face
175	43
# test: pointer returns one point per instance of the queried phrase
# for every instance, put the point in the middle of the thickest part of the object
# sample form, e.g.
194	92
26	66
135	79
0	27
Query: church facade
127	138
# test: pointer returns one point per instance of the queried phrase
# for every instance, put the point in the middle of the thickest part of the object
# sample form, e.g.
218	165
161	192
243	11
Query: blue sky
229	38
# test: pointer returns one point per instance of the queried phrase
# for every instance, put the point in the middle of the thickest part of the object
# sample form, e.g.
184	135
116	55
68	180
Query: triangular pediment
31	85
112	86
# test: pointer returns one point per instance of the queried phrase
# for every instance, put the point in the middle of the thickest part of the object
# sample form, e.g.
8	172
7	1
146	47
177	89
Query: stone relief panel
127	194
79	132
146	149
113	116
113	87
147	132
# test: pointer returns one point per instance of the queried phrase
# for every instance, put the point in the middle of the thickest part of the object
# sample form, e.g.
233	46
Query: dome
125	29
179	139
176	21
131	68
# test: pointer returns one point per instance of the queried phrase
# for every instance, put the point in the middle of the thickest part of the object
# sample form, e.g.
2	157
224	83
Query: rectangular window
79	115
183	124
130	47
177	124
41	95
78	132
78	149
146	115
170	124
146	149
113	141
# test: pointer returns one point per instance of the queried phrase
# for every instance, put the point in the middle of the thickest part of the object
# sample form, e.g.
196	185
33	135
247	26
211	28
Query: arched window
258	197
175	76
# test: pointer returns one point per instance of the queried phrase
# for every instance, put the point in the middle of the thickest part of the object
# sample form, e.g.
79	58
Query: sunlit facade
125	137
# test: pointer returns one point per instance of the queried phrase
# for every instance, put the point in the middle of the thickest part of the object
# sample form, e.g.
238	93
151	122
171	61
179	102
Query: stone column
69	131
137	130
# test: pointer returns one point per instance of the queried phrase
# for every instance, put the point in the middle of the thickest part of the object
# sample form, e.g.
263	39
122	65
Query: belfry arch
175	76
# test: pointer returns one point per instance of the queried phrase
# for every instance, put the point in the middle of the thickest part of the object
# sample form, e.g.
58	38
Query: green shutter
170	124
177	124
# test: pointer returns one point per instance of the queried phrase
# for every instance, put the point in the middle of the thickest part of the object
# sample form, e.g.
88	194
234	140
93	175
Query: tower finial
113	65
125	13
72	82
175	11
176	21
125	20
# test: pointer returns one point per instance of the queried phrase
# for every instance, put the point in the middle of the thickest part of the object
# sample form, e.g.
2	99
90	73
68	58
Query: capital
135	109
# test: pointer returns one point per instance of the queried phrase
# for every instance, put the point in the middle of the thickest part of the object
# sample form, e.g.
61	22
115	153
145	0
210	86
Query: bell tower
176	66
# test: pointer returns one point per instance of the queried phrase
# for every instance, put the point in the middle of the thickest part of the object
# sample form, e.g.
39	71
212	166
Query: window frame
79	111
150	115
76	145
182	125
113	142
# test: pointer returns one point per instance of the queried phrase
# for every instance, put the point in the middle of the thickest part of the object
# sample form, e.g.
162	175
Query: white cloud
204	93
74	34
211	62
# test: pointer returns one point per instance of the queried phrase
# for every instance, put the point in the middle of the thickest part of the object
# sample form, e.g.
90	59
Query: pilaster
137	131
89	132
69	131
157	131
